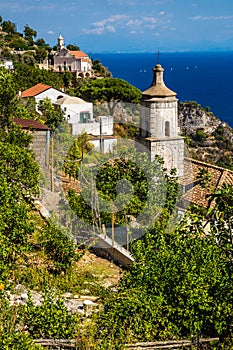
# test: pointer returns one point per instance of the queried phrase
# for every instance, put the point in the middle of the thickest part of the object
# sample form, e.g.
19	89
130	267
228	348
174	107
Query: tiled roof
30	124
35	90
194	191
79	54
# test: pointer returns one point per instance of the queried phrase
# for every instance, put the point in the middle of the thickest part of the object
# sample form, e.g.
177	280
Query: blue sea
204	77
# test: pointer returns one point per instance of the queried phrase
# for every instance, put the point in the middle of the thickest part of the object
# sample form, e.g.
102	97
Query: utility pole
113	227
101	136
52	162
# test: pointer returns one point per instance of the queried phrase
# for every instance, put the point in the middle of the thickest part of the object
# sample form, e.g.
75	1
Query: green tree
41	42
19	44
180	284
51	319
19	179
52	113
29	34
79	148
100	70
73	47
7	97
58	246
9	27
41	54
26	76
110	90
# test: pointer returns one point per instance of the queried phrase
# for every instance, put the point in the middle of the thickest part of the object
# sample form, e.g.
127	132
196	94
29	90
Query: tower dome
158	88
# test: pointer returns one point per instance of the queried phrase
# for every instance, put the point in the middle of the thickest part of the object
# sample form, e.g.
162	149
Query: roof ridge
208	164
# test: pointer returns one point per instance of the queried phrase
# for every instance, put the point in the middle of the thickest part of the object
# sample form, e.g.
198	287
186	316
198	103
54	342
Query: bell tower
60	43
159	131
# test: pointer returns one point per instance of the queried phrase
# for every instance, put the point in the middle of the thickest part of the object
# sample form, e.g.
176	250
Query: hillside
208	139
180	285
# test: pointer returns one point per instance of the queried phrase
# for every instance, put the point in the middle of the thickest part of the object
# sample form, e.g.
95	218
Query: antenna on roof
158	57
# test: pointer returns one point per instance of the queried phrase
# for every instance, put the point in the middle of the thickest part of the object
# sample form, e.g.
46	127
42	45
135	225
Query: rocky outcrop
208	138
191	116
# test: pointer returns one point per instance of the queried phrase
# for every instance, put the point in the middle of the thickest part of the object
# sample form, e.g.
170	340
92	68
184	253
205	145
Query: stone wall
39	145
170	149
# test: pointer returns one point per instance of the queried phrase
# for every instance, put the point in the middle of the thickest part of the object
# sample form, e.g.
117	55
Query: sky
127	25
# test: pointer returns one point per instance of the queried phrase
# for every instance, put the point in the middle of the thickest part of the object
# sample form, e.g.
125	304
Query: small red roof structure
79	54
30	124
35	90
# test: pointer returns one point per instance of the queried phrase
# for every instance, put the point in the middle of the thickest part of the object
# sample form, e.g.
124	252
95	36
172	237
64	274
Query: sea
204	77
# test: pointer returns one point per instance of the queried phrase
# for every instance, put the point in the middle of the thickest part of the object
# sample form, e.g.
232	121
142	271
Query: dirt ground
103	268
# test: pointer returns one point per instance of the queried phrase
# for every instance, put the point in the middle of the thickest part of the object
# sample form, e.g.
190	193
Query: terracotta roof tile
35	90
79	54
194	193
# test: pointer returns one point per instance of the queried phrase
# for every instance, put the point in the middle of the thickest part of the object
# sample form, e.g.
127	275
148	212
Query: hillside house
77	112
41	92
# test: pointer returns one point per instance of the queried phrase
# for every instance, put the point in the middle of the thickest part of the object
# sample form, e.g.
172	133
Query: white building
8	64
41	92
77	112
77	62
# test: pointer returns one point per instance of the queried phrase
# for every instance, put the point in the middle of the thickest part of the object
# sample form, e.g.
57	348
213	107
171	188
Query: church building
77	62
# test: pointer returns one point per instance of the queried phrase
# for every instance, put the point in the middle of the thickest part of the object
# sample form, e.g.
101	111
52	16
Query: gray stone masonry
170	149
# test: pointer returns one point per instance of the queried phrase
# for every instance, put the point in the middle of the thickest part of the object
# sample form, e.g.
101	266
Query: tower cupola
158	88
60	43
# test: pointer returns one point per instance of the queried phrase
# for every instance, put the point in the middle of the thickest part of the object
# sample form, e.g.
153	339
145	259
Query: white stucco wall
72	111
107	144
92	127
51	93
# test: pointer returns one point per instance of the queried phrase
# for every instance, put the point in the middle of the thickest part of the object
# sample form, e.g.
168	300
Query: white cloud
111	29
211	18
50	32
150	19
134	23
161	13
120	22
97	30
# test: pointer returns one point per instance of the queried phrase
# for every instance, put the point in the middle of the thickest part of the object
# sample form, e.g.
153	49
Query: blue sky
127	25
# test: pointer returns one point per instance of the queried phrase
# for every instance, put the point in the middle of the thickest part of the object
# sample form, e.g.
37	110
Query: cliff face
191	116
208	139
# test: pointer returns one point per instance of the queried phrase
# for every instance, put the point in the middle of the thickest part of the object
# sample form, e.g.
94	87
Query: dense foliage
122	189
111	91
180	285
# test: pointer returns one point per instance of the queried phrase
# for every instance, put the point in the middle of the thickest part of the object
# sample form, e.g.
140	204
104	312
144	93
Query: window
167	129
85	117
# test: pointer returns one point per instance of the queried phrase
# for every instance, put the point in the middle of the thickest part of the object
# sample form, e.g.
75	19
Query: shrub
58	246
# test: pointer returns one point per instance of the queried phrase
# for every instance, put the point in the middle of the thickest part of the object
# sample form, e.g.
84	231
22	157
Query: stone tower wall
170	149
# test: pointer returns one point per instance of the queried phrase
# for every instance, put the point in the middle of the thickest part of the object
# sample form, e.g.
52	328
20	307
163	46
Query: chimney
62	88
19	93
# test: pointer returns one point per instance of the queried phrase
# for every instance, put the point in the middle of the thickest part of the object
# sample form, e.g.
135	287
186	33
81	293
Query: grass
90	275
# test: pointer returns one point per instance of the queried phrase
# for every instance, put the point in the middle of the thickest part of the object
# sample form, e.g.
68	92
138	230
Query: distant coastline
204	77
